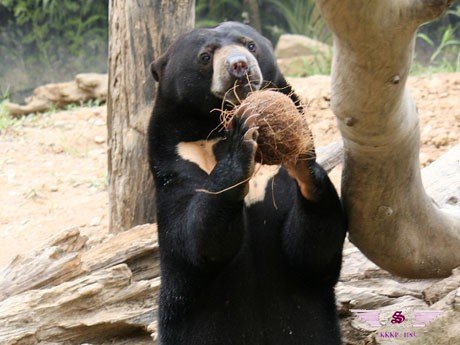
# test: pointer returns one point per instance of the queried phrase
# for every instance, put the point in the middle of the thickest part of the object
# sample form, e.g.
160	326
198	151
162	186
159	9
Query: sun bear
249	253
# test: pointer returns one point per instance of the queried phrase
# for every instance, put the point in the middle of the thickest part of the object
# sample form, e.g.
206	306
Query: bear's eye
205	58
252	47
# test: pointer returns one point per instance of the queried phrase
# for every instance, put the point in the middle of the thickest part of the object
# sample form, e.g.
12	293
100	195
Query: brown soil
437	98
52	177
53	169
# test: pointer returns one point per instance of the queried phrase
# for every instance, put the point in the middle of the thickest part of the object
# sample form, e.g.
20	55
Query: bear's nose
238	66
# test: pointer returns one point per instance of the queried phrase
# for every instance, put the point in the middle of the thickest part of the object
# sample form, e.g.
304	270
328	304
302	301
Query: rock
96	221
99	122
298	45
295	66
296	54
95	84
99	140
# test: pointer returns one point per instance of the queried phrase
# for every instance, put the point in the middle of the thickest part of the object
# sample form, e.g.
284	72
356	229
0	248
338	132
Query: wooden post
139	31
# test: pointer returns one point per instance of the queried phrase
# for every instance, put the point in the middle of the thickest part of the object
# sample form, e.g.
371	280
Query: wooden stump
139	31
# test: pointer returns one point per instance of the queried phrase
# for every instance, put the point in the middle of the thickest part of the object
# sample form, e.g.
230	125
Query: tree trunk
254	14
391	218
139	32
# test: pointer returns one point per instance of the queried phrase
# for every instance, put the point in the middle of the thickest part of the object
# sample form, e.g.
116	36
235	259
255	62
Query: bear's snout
238	66
236	73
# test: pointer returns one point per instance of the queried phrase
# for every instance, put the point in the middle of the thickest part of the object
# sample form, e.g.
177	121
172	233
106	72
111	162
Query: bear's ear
157	67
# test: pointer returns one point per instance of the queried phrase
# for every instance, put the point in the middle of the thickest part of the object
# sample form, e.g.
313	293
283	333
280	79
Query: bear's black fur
233	273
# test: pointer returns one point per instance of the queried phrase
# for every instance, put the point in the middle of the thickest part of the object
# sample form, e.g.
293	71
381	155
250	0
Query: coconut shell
284	135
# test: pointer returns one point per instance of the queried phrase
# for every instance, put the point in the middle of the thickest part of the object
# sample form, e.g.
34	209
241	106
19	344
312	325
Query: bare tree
391	218
139	31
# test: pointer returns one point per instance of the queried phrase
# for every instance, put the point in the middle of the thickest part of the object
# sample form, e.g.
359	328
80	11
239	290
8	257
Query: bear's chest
202	154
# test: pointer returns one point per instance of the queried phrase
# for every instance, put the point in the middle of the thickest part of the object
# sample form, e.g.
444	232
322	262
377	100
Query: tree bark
139	32
71	293
391	218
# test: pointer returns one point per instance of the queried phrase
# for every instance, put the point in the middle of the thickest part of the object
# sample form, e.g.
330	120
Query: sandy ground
53	166
52	177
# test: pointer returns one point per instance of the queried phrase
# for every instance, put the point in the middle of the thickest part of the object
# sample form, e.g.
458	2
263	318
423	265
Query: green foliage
6	120
50	24
447	53
437	49
302	17
50	40
212	12
277	16
438	45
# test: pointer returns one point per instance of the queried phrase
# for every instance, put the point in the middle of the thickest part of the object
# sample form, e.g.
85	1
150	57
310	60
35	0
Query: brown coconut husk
284	135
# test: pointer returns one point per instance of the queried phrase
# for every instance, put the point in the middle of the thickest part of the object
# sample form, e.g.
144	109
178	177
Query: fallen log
437	291
97	306
74	292
85	87
69	293
330	156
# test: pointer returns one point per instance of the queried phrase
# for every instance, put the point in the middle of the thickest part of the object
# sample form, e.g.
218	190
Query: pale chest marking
201	153
259	182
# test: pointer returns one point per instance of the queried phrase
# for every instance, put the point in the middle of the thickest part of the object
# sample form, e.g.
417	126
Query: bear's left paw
242	140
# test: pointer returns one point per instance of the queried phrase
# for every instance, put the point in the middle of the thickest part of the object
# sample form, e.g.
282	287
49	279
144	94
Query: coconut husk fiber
284	135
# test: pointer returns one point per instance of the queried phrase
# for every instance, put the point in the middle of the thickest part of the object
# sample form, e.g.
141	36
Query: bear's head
207	66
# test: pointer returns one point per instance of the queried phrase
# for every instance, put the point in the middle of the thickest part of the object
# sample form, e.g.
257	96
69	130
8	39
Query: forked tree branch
391	218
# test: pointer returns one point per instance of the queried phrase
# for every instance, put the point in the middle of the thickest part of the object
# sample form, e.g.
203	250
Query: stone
290	45
295	66
99	140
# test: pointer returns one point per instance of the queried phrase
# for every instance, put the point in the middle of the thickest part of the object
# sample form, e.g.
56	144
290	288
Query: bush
438	44
50	40
276	16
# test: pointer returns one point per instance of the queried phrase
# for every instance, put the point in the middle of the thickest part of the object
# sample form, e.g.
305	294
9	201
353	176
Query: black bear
249	254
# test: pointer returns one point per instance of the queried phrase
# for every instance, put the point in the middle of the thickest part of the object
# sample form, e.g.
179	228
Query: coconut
284	135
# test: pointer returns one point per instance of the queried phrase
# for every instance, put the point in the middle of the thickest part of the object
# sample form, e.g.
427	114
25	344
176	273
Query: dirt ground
53	166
